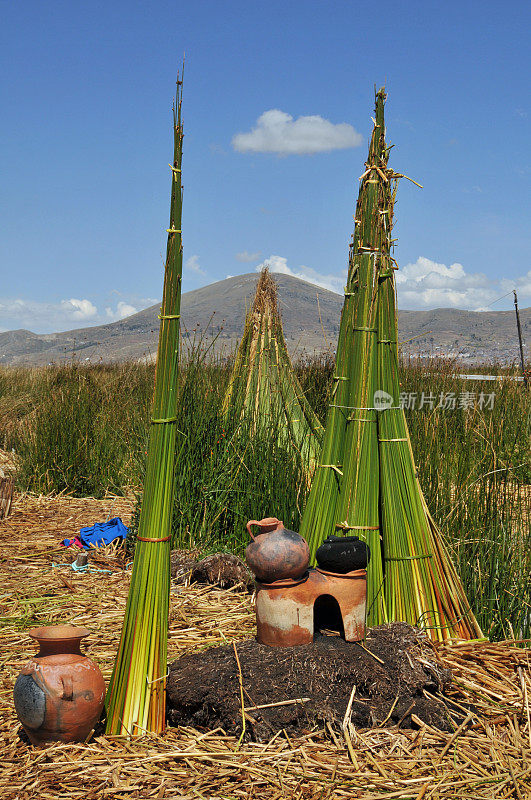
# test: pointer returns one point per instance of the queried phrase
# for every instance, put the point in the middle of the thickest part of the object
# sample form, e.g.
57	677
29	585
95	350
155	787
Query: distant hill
311	324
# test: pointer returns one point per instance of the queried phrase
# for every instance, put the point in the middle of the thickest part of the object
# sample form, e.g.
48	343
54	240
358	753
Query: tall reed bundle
344	494
263	388
136	697
367	482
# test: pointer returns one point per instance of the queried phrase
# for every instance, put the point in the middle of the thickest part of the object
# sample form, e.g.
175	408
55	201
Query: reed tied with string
136	697
366	483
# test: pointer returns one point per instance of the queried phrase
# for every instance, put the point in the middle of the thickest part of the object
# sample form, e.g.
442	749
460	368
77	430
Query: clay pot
275	553
342	554
59	694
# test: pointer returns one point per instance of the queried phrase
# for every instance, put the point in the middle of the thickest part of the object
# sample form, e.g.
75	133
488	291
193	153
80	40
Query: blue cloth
100	534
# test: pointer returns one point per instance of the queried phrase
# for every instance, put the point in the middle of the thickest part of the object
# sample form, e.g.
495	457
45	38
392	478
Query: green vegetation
475	471
229	470
76	429
474	463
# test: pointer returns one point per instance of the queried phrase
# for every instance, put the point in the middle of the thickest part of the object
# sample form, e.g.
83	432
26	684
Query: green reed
136	696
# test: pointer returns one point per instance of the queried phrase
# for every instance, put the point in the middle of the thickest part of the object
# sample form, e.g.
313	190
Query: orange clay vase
275	553
59	694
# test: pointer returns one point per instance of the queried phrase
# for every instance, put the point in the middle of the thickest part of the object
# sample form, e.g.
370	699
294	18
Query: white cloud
277	132
63	315
429	284
18	313
247	257
122	310
424	284
192	264
279	264
79	309
126	309
522	285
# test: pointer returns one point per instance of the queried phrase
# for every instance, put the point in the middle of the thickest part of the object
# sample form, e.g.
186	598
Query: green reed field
83	430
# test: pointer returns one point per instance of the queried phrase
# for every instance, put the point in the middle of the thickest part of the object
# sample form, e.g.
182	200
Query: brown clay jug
276	553
59	694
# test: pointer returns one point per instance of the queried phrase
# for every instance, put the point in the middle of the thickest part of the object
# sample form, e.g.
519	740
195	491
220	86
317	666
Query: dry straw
136	697
367	484
488	757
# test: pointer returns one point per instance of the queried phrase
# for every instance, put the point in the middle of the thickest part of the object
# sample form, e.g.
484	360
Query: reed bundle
366	483
263	389
136	697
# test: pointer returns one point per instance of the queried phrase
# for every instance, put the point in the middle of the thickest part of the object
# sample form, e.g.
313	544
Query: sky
277	108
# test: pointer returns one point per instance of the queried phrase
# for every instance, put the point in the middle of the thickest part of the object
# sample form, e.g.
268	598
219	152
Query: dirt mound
218	569
390	670
181	564
222	569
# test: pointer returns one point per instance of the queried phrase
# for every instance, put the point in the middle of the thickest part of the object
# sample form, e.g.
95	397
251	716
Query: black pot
343	554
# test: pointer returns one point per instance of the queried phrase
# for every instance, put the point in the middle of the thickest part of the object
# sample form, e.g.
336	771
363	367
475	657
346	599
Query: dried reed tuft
263	389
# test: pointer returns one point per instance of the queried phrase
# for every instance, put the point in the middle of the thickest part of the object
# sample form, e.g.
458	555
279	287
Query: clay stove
290	612
294	602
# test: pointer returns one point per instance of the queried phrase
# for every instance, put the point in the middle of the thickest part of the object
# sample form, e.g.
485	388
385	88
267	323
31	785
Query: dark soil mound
204	689
219	569
222	569
181	564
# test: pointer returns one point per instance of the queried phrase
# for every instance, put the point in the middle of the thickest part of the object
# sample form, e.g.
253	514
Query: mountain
311	325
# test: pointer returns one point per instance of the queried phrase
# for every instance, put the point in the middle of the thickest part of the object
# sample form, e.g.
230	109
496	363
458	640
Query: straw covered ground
487	756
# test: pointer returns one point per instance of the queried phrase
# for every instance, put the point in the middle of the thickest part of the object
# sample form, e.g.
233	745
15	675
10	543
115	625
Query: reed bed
77	429
475	470
489	757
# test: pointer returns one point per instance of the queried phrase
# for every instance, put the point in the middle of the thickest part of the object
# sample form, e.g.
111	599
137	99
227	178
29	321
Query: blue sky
86	140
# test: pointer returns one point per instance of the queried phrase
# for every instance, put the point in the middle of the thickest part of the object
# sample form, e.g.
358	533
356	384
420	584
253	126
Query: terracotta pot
276	553
59	694
342	554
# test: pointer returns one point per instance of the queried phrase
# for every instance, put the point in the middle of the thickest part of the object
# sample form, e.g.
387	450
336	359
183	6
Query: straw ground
489	756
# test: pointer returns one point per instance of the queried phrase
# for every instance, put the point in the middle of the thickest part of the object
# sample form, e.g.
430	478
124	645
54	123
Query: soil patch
218	569
391	670
181	564
225	570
